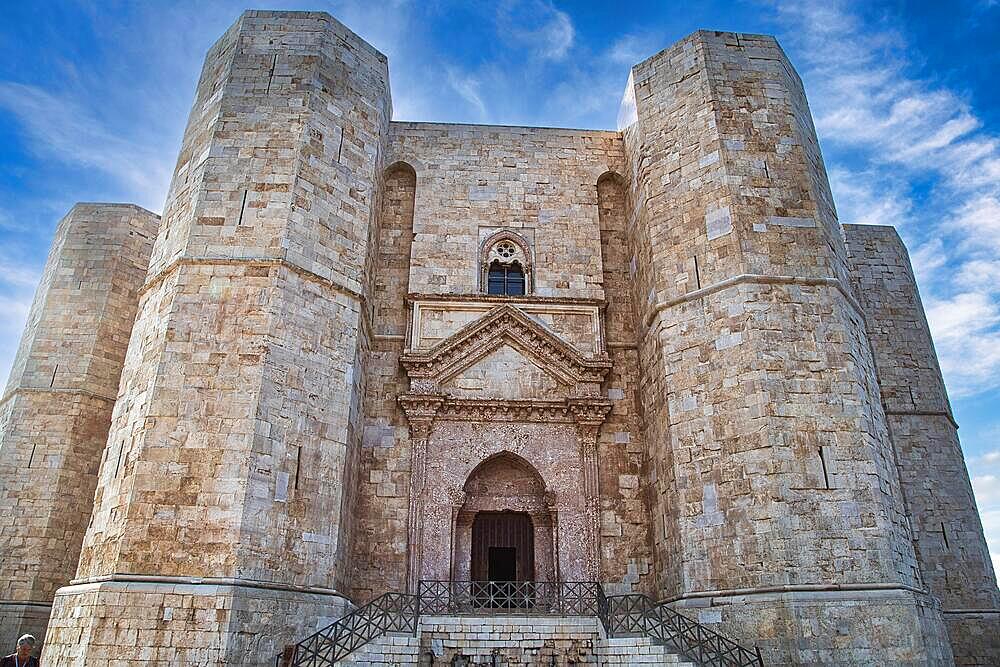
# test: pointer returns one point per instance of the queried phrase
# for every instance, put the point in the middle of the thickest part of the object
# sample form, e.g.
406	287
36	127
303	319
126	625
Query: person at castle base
22	656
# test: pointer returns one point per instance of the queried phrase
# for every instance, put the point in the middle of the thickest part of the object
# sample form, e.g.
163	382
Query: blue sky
94	97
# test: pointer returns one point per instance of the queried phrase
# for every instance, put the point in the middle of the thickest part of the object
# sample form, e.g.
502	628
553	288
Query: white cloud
537	25
15	274
978	222
467	86
967	341
65	129
632	49
865	198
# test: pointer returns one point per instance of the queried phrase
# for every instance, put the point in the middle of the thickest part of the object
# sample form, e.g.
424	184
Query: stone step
518	640
392	649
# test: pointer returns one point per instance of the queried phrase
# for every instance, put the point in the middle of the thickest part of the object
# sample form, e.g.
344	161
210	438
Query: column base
20	618
850	625
173	621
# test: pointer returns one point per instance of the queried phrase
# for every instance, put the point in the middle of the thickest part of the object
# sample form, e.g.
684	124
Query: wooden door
503	545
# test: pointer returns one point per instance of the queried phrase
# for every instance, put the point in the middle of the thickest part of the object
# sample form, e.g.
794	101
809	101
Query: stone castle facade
355	354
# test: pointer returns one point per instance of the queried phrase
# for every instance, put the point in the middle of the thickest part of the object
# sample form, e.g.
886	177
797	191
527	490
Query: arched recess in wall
615	258
506	484
392	273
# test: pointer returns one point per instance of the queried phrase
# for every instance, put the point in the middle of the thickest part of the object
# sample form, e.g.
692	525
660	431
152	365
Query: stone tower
777	502
368	354
224	499
57	407
954	560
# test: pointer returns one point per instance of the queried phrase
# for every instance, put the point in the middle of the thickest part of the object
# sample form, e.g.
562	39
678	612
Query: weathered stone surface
55	412
231	452
954	560
691	389
772	461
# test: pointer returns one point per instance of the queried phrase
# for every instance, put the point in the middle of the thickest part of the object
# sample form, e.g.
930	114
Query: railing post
417	609
760	660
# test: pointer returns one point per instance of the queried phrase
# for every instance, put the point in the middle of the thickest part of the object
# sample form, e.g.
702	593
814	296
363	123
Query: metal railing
392	612
549	598
636	614
622	615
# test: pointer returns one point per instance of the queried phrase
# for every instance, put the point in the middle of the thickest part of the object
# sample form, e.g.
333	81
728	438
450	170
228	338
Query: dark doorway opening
503	547
502	564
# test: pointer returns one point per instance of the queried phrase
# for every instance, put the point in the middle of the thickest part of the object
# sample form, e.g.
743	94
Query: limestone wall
780	471
473	180
383	478
948	536
55	412
229	457
469	182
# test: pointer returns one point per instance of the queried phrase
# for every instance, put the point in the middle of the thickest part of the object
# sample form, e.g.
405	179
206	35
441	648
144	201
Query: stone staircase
514	641
515	624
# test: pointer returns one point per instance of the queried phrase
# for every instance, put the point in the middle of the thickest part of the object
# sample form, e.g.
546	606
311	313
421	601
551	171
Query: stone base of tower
894	626
177	621
975	637
20	618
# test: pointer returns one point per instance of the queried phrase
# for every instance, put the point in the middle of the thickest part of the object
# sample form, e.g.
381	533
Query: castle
356	354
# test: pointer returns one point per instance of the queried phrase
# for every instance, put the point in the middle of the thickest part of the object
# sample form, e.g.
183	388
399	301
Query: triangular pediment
505	373
505	327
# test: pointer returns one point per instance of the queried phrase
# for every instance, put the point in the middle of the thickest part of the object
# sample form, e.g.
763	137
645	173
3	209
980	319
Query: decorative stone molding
505	324
508	248
581	405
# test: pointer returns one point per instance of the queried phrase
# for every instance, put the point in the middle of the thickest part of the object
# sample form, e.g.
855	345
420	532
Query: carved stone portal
530	449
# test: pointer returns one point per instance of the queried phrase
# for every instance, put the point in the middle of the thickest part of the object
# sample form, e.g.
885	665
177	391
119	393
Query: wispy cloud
467	86
870	198
64	129
633	48
537	25
897	130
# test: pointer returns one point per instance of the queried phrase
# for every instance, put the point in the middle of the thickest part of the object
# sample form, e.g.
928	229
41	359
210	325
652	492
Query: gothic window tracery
505	265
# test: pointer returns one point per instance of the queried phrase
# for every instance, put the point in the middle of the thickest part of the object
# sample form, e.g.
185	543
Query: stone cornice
587	411
54	390
415	297
504	324
472	409
755	279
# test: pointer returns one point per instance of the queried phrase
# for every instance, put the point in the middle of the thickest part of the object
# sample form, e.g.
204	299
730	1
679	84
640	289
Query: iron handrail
621	615
534	598
392	612
634	613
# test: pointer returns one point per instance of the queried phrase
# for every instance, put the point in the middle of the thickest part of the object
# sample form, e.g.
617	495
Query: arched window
505	262
505	279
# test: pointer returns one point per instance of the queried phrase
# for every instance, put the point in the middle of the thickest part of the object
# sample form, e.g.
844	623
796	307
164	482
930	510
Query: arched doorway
504	529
